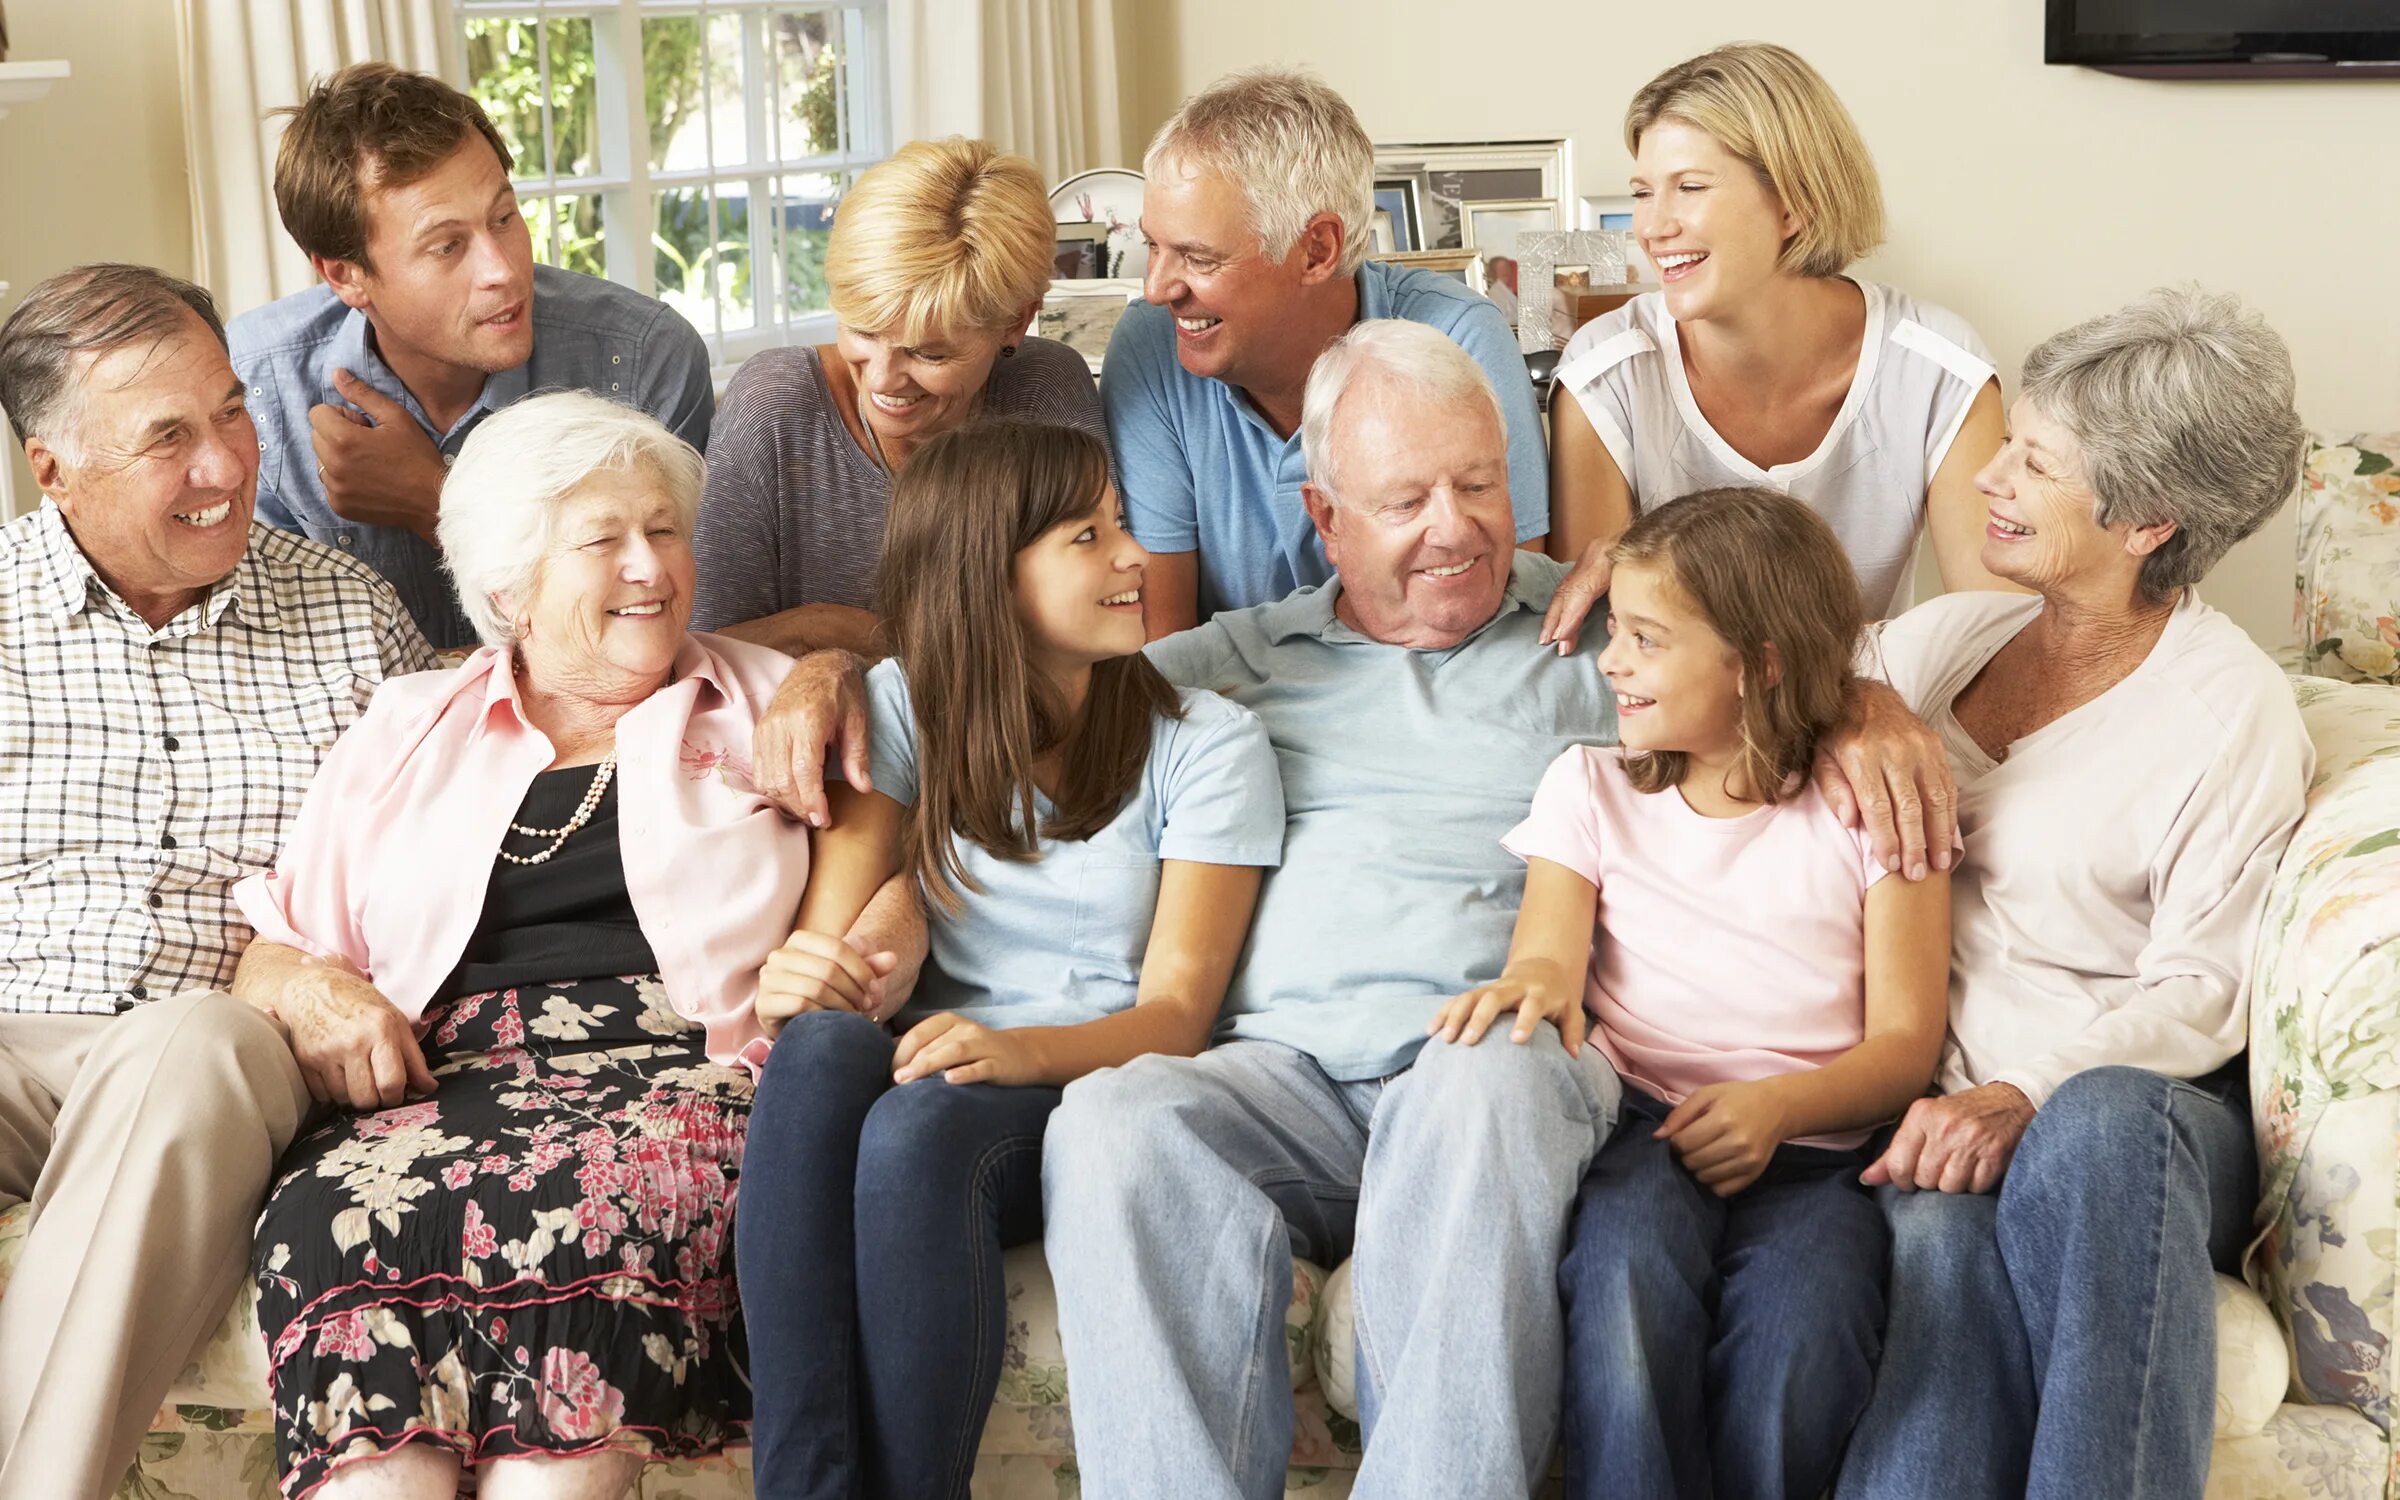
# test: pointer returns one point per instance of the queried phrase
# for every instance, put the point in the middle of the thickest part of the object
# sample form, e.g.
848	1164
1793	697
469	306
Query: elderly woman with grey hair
2129	767
542	885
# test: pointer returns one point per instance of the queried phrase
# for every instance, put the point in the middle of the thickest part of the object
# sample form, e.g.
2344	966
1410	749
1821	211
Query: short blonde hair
1294	148
943	237
1767	106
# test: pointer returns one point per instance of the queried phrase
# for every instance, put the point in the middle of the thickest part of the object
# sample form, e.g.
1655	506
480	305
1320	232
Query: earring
1008	351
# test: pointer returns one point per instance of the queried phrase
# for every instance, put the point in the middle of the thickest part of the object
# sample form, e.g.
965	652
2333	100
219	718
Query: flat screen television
2227	38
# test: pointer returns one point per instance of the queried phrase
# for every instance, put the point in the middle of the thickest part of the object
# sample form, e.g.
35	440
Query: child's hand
1725	1134
1532	990
814	972
962	1052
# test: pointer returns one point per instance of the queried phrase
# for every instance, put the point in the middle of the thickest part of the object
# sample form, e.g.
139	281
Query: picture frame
1382	235
1079	252
1402	198
1492	228
1451	178
1598	254
1614	212
1082	313
1462	266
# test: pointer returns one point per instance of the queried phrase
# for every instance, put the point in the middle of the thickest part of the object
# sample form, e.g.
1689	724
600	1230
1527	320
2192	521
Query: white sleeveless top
1919	369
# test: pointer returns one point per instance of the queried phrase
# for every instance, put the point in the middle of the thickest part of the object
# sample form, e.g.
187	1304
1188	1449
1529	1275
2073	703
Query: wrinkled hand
814	972
385	474
962	1052
1886	772
1725	1134
354	1048
821	704
1531	990
1586	586
1958	1143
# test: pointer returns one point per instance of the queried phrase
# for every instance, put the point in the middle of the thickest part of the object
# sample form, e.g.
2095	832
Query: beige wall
94	170
2022	196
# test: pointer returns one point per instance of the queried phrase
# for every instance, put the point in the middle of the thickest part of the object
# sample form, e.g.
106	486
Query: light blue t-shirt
1060	941
1202	471
1402	769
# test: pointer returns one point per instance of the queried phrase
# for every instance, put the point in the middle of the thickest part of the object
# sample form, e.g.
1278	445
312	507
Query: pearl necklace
583	814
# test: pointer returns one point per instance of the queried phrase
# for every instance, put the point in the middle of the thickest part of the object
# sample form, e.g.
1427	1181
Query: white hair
1291	145
519	466
2182	404
1421	357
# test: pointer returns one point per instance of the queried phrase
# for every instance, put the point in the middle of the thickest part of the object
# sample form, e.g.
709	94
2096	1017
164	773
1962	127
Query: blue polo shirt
1401	771
1202	471
588	334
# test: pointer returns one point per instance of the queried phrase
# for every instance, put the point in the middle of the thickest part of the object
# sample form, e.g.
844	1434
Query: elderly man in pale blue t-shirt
1256	207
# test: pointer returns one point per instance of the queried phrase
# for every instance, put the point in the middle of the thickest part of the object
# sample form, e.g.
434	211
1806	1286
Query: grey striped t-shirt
794	509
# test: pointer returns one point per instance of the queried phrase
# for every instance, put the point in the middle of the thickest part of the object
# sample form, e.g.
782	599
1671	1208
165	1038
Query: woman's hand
963	1052
1883	770
1586	586
1537	991
814	972
354	1047
821	704
1725	1134
1957	1143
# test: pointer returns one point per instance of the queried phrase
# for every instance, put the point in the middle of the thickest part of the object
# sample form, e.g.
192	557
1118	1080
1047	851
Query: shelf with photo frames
1082	313
1435	195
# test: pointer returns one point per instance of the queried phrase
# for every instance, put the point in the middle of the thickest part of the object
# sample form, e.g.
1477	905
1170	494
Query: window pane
504	73
692	85
704	274
568	232
804	211
808	100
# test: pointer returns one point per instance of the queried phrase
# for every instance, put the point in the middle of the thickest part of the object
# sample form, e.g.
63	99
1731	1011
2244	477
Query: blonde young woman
938	260
1759	362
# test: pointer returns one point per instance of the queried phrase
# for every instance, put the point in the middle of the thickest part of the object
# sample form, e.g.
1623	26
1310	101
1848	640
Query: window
693	152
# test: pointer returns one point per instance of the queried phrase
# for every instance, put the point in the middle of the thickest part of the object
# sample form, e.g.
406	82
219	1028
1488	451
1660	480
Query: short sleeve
1592	370
1188	657
1144	436
1563	825
1224	794
1482	332
676	385
737	543
891	732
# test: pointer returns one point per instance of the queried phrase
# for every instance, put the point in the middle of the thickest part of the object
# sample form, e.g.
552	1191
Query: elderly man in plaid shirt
170	678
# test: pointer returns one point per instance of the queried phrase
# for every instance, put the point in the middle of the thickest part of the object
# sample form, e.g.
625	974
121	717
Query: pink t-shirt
1727	949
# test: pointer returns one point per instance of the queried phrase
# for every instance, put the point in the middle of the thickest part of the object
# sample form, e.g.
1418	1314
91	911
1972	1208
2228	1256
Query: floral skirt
536	1260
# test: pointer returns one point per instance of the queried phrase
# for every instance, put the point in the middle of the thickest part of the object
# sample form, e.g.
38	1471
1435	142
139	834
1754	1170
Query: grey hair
2182	404
1419	356
1291	145
92	310
515	470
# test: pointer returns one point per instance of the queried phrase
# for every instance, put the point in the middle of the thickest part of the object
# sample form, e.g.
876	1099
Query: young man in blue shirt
430	316
1256	207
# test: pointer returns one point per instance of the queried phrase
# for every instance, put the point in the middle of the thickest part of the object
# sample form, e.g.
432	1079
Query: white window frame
628	186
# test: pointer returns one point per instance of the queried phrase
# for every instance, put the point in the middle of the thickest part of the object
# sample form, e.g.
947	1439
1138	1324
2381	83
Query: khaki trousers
145	1142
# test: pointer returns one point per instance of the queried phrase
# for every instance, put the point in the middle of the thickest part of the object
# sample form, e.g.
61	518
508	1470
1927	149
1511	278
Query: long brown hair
1761	568
963	507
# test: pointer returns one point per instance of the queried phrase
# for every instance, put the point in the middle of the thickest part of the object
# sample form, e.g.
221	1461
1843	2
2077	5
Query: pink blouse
387	863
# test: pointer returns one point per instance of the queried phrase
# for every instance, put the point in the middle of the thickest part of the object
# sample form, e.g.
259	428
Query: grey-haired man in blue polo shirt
431	316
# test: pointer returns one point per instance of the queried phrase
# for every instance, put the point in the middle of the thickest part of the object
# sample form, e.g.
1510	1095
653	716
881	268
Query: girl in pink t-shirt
1767	995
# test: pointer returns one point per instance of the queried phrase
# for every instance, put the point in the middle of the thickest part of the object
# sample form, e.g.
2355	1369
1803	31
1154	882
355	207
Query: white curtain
243	58
1037	77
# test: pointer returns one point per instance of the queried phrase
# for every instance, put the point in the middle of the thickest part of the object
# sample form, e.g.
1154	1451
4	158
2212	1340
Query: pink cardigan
387	864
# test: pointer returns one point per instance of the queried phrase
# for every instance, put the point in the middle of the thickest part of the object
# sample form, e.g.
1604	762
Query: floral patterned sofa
2306	1370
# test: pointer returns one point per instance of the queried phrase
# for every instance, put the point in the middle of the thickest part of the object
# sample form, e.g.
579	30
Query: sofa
2305	1366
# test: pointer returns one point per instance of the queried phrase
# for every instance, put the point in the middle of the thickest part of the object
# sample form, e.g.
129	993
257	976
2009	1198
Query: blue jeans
1178	1190
2057	1340
868	1245
1717	1346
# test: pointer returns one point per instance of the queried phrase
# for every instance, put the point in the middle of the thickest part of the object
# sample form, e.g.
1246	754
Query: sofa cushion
2349	599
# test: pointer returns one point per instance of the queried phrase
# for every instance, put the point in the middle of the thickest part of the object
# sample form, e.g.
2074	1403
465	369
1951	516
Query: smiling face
612	595
1232	303
1417	520
164	469
918	391
1708	223
1078	591
2041	529
452	266
1678	683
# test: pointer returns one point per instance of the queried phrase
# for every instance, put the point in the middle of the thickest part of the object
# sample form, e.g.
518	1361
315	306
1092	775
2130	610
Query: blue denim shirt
588	334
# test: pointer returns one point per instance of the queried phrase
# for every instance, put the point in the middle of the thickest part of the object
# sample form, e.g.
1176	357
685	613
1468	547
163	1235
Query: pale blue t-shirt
1059	941
1202	471
1402	769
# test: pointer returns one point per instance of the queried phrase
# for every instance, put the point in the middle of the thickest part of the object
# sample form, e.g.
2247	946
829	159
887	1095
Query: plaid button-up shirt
143	771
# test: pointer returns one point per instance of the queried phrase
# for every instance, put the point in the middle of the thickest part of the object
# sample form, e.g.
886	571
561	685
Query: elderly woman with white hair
543	886
2129	768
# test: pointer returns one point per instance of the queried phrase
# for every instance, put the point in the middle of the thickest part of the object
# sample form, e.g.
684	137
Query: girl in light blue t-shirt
1087	843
